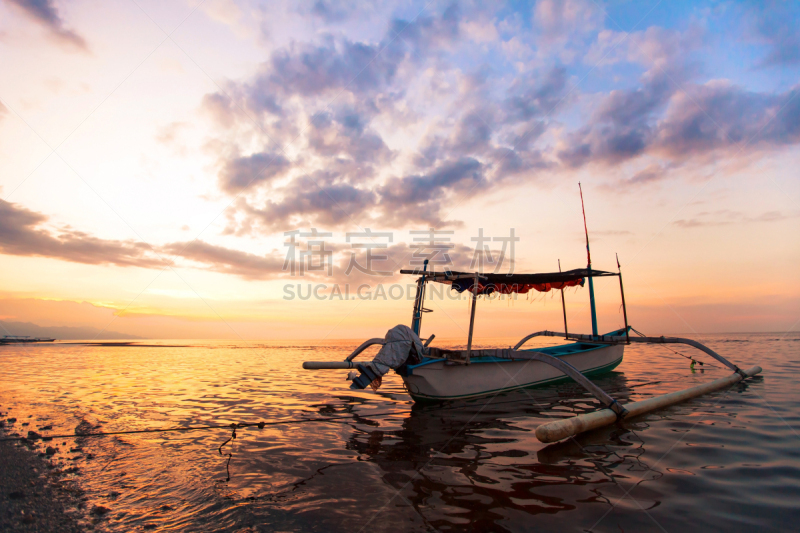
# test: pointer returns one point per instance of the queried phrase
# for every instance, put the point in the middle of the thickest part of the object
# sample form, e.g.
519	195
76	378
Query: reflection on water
727	461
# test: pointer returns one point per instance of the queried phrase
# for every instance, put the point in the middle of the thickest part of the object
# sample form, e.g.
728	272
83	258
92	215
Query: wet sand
32	497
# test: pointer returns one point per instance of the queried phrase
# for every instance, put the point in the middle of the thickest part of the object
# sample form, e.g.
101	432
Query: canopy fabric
466	284
513	283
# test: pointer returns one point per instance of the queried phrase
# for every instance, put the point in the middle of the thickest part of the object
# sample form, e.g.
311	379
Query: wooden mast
622	293
589	267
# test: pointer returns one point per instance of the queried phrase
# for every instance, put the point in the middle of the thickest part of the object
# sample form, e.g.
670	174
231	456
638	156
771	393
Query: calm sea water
729	461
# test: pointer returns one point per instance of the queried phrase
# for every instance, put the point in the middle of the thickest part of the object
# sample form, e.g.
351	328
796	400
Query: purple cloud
246	172
45	13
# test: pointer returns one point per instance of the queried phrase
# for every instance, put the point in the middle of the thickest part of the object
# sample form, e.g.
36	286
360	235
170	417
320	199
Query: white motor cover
396	350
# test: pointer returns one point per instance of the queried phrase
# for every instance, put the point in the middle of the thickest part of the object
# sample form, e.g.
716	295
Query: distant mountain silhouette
60	332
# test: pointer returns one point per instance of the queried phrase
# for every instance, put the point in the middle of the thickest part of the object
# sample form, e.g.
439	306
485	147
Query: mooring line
33	436
260	425
234	426
690	358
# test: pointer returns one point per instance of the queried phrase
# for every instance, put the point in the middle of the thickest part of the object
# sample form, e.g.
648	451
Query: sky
237	170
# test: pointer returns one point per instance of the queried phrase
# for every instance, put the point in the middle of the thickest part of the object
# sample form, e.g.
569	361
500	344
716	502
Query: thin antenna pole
563	305
589	267
419	301
622	293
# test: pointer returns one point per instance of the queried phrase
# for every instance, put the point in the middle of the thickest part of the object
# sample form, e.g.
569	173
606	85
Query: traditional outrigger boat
435	374
23	339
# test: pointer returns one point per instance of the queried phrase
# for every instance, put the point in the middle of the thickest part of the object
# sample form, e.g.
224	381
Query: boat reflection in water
477	464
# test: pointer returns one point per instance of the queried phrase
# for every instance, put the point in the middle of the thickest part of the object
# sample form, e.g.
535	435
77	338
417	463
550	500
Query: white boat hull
441	380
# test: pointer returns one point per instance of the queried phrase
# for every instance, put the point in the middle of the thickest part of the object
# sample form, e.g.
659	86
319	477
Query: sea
728	461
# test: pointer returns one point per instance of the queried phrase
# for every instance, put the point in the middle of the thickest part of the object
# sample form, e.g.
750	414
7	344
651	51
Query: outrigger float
436	374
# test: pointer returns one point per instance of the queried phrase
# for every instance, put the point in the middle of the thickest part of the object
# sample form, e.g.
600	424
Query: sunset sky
154	156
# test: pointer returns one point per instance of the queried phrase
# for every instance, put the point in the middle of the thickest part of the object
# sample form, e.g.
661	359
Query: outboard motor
402	346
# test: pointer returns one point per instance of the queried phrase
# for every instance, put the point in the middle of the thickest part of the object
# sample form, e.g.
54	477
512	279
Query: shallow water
728	461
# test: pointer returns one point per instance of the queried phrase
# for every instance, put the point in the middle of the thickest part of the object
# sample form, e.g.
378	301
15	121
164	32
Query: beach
33	498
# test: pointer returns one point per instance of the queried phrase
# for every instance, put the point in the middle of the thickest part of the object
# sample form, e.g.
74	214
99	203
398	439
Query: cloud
341	64
696	122
228	261
420	197
648	175
321	198
45	13
774	23
566	17
330	11
725	217
309	69
720	115
398	127
620	127
328	199
347	134
221	108
565	25
294	88
245	172
21	234
625	123
332	66
655	47
535	96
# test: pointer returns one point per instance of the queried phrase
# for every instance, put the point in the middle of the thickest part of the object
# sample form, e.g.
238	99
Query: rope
233	426
241	425
692	359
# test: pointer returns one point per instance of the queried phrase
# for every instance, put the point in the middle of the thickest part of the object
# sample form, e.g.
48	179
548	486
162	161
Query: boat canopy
512	283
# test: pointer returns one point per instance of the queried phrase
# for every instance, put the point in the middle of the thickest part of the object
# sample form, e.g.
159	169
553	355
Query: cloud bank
465	100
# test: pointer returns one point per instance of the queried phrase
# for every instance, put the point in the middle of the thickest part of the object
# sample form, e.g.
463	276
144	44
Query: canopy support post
563	305
591	302
472	316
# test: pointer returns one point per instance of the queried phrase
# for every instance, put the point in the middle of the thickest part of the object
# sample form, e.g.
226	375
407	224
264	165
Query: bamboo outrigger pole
561	429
